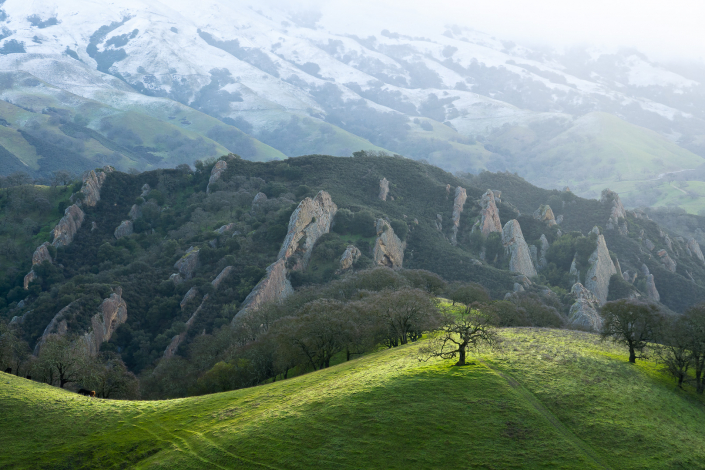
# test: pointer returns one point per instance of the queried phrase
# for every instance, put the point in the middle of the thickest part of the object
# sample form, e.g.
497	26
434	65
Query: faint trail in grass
546	413
210	443
185	447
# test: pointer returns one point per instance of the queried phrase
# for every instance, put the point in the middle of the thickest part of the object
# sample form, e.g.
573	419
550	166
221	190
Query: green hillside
549	399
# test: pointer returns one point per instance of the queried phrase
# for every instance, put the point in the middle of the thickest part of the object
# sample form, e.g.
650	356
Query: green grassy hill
549	399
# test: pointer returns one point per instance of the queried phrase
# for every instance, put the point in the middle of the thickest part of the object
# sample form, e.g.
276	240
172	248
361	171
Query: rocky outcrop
543	249
216	173
125	229
221	277
667	260
350	255
389	249
648	244
178	339
383	189
617	212
651	291
112	313
40	255
489	221
92	184
514	243
258	201
311	219
188	263
225	228
584	313
439	222
68	226
188	297
597	279
458	203
135	212
176	279
574	273
694	248
145	190
272	288
545	214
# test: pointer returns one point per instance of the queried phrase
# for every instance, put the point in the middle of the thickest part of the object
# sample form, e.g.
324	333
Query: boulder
350	255
216	173
389	249
648	244
574	273
188	263
145	190
311	219
439	222
559	219
30	277
695	251
221	277
584	313
272	288
383	189
518	287
125	229
94	226
68	226
623	228
667	260
617	210
177	339
176	279
651	291
490	214
597	279
514	243
458	203
92	183
135	212
543	249
41	254
545	214
534	252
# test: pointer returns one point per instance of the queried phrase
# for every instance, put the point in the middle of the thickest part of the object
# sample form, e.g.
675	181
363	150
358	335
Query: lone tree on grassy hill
462	331
694	322
676	339
632	323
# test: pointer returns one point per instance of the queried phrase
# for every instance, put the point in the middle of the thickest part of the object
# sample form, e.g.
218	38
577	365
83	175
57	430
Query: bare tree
63	360
461	332
632	323
674	348
407	313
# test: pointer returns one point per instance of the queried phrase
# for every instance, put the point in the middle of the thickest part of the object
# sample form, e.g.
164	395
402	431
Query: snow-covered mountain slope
267	81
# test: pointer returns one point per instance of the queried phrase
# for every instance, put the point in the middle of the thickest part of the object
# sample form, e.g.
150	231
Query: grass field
551	399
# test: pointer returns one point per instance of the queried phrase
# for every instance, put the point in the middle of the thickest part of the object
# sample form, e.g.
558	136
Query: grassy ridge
552	399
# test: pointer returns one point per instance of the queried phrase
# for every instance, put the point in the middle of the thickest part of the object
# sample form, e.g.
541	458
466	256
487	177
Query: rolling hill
548	399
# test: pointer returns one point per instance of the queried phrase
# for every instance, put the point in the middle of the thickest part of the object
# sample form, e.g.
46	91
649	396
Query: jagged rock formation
447	190
221	277
597	279
188	297
458	203
176	279
389	249
92	183
651	291
610	197
350	255
145	190
188	263
135	212
667	260
225	228
273	287
534	252
383	189
439	222
490	214
311	219
259	199
543	262
574	273
514	243
694	247
216	173
585	311
40	255
177	339
545	214
125	229
648	244
68	226
112	313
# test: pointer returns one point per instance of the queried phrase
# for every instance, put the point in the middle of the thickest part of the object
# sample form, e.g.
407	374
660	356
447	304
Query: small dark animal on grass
8	370
88	393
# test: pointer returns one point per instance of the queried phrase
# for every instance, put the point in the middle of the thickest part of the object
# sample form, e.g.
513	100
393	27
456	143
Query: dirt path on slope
555	422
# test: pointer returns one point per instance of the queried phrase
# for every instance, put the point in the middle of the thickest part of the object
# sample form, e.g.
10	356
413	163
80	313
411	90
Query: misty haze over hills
142	84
